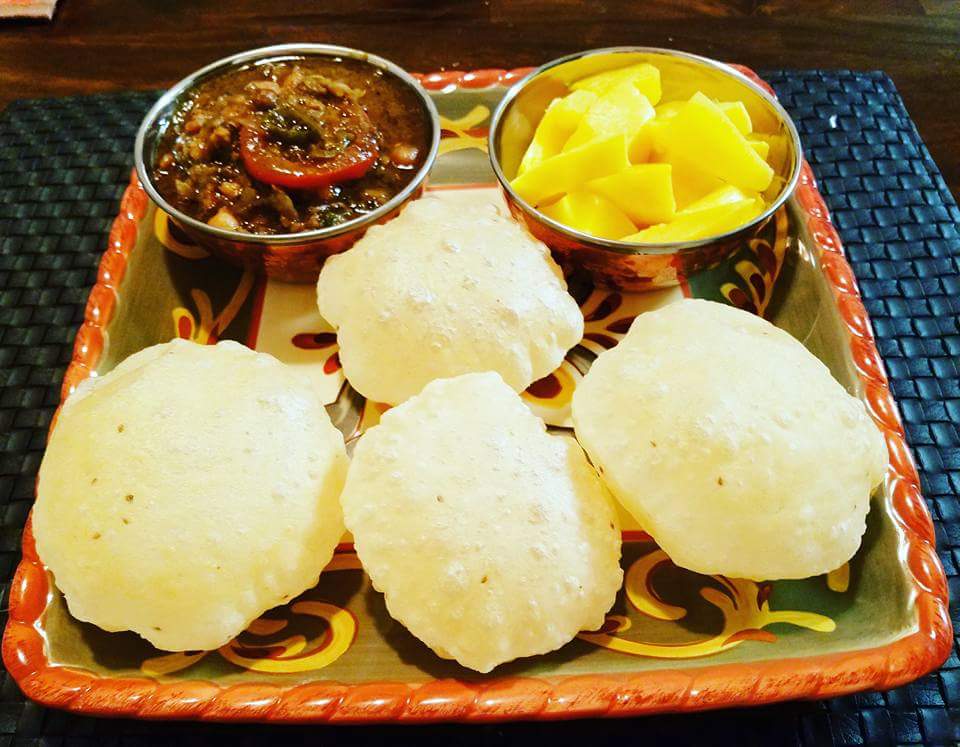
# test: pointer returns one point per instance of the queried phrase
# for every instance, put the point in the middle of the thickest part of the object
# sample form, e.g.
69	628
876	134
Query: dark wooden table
105	45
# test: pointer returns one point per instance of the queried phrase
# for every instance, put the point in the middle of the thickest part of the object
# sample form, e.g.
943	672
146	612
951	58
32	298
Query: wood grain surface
107	45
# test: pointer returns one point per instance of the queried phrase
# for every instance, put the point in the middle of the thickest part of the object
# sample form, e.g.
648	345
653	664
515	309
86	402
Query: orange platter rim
508	698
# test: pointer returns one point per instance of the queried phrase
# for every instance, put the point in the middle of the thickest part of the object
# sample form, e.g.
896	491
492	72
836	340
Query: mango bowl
639	265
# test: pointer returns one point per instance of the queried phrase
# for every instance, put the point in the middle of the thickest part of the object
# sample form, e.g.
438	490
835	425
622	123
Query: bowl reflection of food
279	157
642	166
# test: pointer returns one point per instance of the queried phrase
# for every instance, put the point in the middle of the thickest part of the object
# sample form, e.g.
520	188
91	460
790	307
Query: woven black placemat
65	162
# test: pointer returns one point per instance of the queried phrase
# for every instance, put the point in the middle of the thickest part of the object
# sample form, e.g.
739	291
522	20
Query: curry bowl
274	249
629	265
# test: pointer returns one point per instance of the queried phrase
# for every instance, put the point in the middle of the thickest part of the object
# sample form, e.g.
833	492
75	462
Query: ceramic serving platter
674	640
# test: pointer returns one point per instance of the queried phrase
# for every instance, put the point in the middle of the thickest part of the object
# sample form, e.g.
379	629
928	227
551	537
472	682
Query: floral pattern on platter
317	633
326	341
293	653
210	327
838	579
744	605
207	330
464	132
757	267
174	240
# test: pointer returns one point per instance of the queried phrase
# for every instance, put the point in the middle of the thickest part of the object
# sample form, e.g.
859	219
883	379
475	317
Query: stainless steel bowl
619	264
295	257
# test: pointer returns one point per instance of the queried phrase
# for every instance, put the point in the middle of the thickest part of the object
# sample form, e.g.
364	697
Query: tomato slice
268	166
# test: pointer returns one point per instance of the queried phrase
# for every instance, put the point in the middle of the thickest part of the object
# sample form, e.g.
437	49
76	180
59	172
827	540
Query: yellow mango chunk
700	224
737	113
645	143
559	122
669	109
702	135
590	213
565	172
725	195
621	109
777	155
649	144
644	192
644	76
761	147
690	184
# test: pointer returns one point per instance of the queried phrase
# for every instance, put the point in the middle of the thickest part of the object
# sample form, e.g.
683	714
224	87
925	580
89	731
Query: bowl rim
630	248
171	97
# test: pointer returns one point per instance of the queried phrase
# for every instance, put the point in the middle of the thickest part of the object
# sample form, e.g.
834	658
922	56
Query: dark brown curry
284	147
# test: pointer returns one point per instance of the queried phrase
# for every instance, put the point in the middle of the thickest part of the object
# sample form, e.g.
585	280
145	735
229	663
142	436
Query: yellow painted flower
294	653
745	607
464	132
210	327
